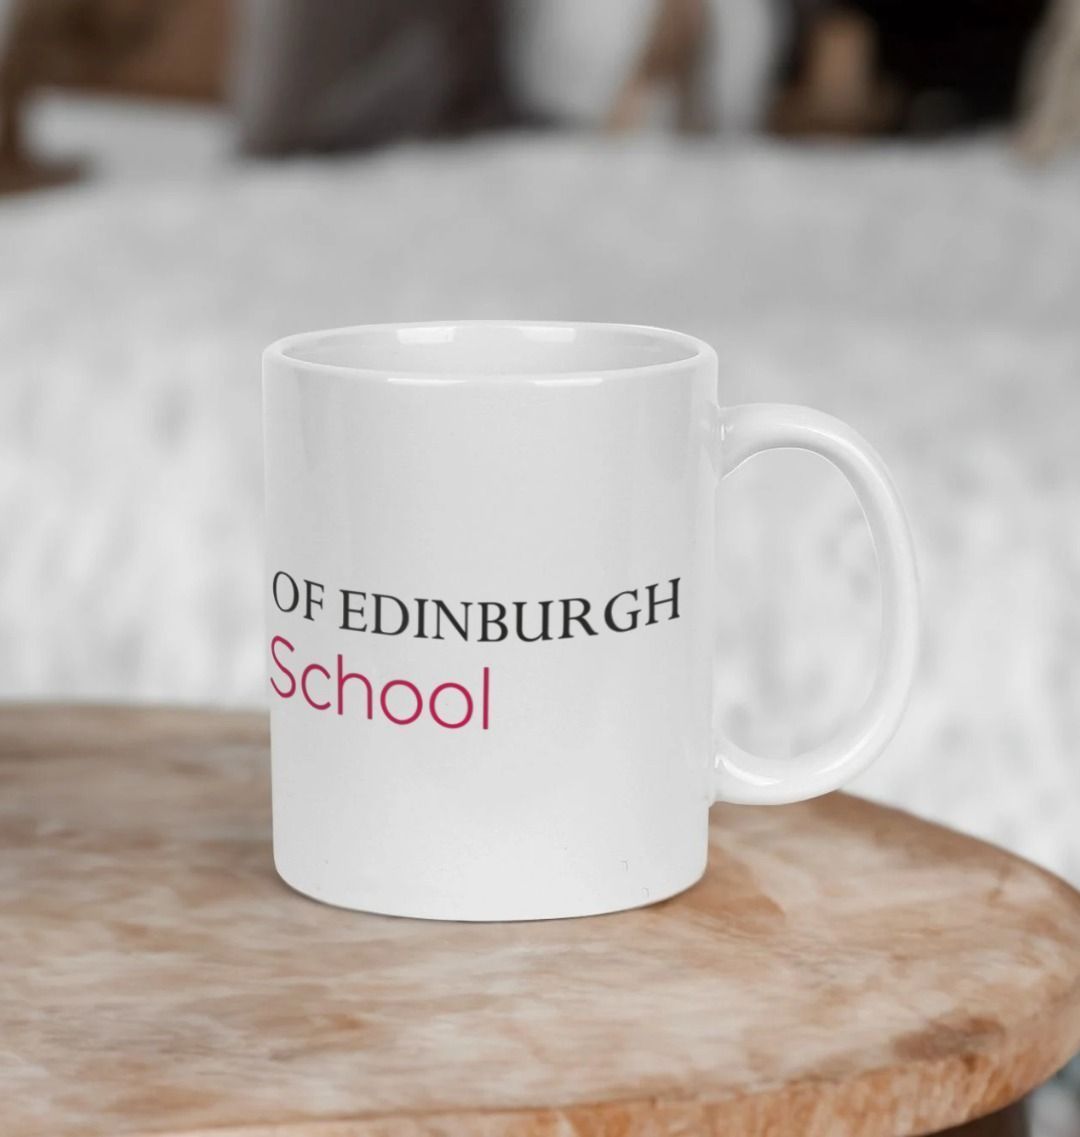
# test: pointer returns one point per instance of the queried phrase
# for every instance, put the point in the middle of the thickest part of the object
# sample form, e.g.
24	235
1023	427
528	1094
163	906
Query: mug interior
481	348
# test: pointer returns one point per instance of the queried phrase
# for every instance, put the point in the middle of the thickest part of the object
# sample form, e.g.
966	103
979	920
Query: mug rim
288	351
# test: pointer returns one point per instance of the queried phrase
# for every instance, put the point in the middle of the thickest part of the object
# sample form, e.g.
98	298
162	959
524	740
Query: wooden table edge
1033	1052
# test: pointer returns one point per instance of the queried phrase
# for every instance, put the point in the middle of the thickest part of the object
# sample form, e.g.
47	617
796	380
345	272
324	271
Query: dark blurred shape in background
153	48
906	66
325	75
322	75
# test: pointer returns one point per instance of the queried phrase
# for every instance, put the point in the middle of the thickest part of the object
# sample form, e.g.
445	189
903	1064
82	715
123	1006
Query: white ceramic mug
491	614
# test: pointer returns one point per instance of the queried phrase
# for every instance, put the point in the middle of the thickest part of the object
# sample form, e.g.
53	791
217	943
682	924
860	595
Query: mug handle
749	778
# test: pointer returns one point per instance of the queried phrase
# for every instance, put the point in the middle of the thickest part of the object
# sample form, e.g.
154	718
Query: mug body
490	611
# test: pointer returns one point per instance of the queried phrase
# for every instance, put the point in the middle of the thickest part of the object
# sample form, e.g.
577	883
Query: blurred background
872	208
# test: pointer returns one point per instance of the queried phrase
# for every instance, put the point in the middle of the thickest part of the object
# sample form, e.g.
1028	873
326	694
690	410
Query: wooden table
842	970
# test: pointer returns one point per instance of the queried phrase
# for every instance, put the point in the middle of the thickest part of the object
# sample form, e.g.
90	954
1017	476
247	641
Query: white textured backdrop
930	296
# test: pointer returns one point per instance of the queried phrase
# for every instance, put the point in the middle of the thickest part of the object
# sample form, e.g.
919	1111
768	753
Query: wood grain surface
842	970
